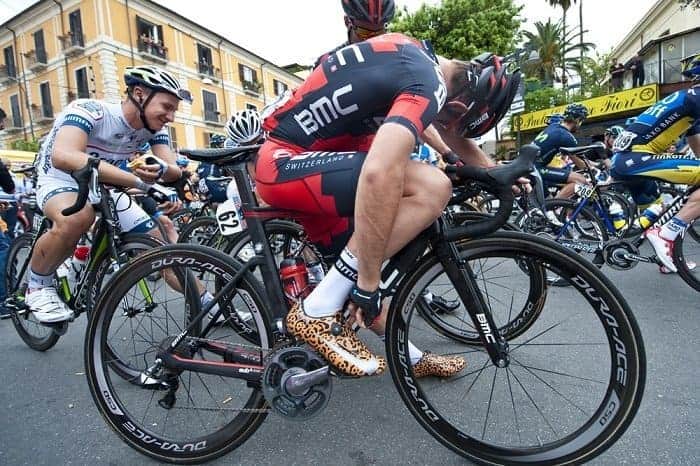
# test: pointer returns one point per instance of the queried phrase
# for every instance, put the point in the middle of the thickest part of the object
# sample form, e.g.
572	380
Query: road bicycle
110	249
586	226
558	387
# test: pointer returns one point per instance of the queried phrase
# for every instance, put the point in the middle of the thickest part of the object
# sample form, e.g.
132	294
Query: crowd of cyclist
139	158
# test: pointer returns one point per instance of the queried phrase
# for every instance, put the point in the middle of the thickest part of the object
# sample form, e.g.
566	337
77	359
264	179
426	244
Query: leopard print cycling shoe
337	343
438	366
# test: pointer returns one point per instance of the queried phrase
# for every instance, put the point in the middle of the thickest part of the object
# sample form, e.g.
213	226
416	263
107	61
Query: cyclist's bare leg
59	241
568	190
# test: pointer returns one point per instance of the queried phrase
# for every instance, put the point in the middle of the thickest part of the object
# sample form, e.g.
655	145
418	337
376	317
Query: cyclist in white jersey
112	133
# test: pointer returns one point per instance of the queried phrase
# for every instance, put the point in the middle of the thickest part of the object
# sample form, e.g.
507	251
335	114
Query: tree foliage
463	28
29	146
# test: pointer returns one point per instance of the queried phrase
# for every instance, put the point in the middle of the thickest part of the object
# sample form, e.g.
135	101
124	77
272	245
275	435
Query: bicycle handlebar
499	181
83	177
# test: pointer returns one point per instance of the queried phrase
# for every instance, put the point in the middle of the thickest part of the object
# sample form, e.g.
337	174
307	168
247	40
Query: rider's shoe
553	219
662	247
333	340
440	305
46	306
690	264
438	366
206	298
4	312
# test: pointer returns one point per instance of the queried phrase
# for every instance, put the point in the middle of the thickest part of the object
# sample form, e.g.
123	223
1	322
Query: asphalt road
48	417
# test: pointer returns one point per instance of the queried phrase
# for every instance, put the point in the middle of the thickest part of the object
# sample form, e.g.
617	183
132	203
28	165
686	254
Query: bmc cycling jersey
328	54
640	145
320	133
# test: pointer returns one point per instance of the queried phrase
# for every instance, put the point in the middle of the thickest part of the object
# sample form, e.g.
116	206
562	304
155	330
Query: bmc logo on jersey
325	111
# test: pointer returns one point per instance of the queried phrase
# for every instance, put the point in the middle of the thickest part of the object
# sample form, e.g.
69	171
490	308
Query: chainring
612	253
282	363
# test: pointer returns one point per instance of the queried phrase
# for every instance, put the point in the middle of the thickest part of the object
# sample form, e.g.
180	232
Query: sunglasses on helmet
184	94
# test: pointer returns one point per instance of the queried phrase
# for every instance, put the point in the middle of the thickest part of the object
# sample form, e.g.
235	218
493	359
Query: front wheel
574	380
686	256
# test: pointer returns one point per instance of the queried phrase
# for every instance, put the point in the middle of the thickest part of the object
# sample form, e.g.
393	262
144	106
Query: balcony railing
209	71
252	87
13	125
42	114
72	43
154	50
215	118
36	60
5	76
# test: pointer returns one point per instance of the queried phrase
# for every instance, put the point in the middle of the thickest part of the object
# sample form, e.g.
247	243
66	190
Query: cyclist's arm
694	143
163	152
379	190
467	149
431	137
69	155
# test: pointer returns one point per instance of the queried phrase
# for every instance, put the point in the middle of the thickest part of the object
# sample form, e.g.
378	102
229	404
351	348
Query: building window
39	47
14	109
151	38
279	86
10	62
249	78
46	107
204	60
671	52
172	134
76	29
251	107
211	112
81	83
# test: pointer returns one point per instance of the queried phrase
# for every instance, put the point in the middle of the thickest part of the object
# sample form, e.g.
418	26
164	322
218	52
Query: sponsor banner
607	105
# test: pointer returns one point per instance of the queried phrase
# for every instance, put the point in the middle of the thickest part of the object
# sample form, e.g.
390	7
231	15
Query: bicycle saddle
581	149
222	156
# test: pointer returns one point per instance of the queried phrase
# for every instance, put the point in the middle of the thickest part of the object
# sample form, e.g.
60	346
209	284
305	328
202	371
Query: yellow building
59	50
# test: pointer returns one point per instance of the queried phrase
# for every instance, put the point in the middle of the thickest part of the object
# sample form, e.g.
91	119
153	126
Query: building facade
56	51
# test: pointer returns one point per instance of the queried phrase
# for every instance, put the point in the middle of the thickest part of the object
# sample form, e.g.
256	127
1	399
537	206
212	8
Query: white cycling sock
330	294
38	281
413	353
672	229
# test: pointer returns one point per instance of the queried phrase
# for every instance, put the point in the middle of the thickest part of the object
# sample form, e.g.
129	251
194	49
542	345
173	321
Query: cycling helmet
182	161
690	67
483	99
373	15
554	119
156	79
217	140
244	127
575	112
614	131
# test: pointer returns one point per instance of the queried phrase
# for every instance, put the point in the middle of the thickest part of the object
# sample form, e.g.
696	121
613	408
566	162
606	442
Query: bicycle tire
134	429
202	230
623	344
42	338
685	251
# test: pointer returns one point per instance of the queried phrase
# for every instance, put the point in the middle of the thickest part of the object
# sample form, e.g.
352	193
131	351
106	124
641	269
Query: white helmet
244	127
156	78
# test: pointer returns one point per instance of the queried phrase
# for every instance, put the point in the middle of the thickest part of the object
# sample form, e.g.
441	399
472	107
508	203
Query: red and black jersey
389	78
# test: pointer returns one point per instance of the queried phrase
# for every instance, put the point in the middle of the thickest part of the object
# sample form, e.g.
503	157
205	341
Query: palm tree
551	46
565	5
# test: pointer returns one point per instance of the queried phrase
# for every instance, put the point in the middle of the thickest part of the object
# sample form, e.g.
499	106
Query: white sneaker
662	247
553	219
47	307
206	299
690	264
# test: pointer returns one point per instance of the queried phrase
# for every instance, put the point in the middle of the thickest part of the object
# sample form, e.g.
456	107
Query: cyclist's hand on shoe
148	173
523	185
162	195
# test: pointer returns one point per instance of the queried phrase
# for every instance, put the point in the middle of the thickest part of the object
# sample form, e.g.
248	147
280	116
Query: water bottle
233	195
650	215
77	262
295	278
617	215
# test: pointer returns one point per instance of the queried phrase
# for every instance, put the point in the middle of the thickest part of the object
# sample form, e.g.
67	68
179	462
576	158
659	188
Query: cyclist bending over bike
550	140
348	166
112	133
638	161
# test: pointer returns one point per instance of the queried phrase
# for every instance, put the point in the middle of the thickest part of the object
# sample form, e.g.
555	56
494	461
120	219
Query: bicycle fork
462	277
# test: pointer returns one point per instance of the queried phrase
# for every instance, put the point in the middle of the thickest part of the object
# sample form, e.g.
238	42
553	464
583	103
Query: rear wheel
686	256
37	336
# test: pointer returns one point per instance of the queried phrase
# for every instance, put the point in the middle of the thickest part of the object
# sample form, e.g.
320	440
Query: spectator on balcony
636	66
617	71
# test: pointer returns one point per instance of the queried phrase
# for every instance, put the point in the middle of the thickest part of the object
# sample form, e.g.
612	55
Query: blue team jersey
663	123
550	140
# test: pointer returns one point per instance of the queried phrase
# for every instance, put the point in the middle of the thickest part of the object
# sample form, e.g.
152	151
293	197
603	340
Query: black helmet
487	96
369	14
575	111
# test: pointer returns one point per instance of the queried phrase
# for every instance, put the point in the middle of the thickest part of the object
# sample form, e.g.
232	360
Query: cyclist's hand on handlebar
523	185
170	207
4	206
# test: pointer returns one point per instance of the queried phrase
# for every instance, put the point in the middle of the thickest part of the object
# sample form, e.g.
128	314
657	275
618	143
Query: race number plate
583	190
229	218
